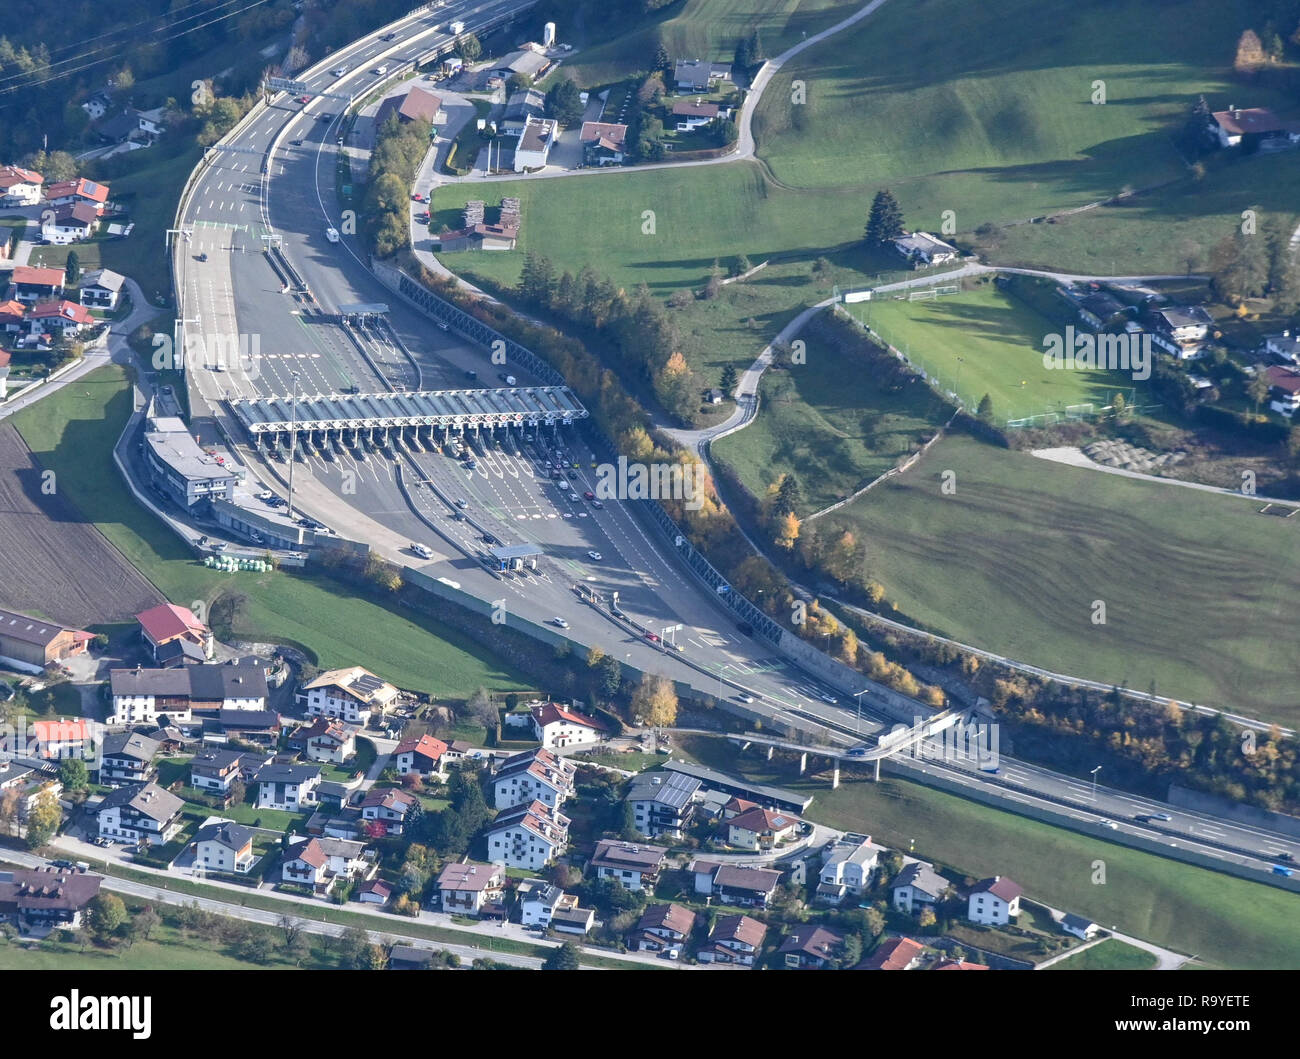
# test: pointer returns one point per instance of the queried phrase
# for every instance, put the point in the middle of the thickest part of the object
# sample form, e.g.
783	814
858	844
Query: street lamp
857	725
720	672
293	437
1094	783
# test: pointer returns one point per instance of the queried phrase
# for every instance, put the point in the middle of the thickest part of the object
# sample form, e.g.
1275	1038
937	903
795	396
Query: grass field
1108	955
984	341
831	424
1229	922
1196	586
73	434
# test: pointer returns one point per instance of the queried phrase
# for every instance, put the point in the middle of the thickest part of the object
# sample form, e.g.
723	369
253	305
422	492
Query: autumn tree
43	819
787	531
1250	53
655	701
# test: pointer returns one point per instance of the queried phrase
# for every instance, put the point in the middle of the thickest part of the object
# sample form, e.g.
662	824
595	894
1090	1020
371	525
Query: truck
456	27
332	234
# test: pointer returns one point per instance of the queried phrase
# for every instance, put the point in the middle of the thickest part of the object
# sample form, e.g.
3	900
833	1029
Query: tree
353	949
1257	389
627	829
874	921
73	774
565	958
469	48
43	819
850	954
728	384
72	268
885	223
787	531
564	102
238	791
664	63
611	675
482	710
290	928
787	495
984	410
107	916
655	701
1250	53
147	920
1196	133
299	949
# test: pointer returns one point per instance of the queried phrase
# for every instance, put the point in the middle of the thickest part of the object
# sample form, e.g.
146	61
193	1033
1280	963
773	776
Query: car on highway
202	257
594	556
422	550
339	71
598	505
824	697
1110	824
1161	816
304	99
573	496
858	751
589	495
325	117
339	138
653	637
296	143
462	504
559	623
489	539
202	540
388	37
744	697
1284	855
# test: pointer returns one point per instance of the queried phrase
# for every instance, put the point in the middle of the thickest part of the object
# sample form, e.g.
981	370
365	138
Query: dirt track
51	562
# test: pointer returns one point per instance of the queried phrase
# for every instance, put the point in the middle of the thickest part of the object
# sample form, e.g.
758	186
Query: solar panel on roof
367	682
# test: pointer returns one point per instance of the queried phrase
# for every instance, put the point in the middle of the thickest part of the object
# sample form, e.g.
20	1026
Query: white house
422	756
329	740
918	885
633	865
73	223
214	769
662	927
994	901
352	694
1259	123
535	775
1180	330
467	887
317	862
20	187
389	806
289	788
922	248
535	142
696	75
760	829
538	902
1079	926
557	726
734	939
101	288
847	870
1284	388
223	845
662	802
528	836
140	814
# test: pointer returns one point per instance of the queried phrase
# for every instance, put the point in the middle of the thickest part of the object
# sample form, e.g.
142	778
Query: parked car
417	197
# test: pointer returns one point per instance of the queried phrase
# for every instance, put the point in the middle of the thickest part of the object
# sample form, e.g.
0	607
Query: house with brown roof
558	726
353	694
466	888
734	939
811	946
736	806
1238	126
960	965
147	814
894	954
321	862
419	105
760	829
603	143
1283	388
69	192
994	902
691	115
165	623
41	898
31	284
734	884
634	865
328	739
20	187
661	928
421	756
535	775
31	644
390	807
479	237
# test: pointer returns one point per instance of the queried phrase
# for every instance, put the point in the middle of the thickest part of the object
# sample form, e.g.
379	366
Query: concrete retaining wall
1212	804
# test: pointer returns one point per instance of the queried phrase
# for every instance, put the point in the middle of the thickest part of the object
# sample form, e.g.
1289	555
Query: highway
232	210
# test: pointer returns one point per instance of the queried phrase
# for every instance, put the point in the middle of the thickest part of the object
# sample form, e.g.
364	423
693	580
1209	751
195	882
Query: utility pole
293	437
1094	783
857	696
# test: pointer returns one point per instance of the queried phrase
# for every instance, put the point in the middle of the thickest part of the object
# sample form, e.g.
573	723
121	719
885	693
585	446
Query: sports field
73	432
1197	587
984	341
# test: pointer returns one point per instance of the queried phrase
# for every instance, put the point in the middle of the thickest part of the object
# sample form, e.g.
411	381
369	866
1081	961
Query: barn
31	644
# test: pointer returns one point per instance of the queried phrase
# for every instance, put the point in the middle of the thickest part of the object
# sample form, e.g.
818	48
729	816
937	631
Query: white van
422	550
332	234
381	70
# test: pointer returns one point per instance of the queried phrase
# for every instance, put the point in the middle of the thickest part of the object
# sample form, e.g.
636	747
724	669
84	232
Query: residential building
20	187
70	192
184	471
69	224
329	740
466	888
1283	388
810	946
43	898
635	866
30	644
1236	125
568	918
734	939
127	757
535	142
321	862
662	802
152	695
213	769
57	317
101	288
894	954
289	788
31	284
520	107
603	143
390	807
374	892
525	61
1284	347
419	105
696	75
535	775
690	116
558	726
64	738
662	927
457	751
922	248
538	903
733	884
528	836
248	726
960	965
421	756
847	870
353	694
167	622
760	829
916	886
776	798
1179	330
1079	926
224	846
146	814
994	902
